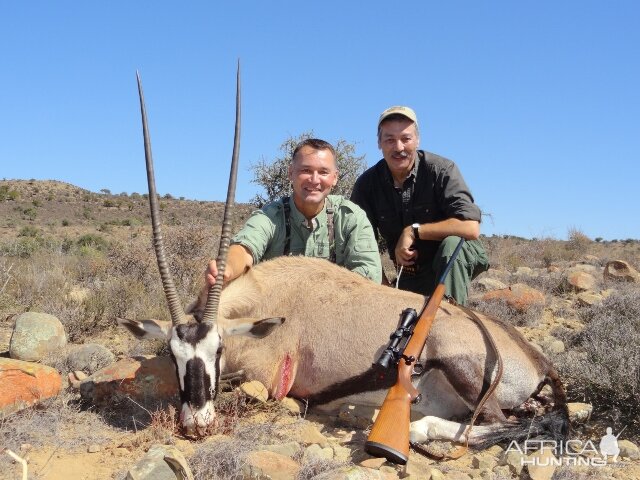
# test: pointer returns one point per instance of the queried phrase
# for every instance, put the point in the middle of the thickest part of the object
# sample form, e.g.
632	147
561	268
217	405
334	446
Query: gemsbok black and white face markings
337	324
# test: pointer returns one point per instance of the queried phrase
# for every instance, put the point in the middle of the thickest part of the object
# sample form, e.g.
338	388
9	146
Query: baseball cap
399	110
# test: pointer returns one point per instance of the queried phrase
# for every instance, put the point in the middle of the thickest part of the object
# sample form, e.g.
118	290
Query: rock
553	346
591	260
628	450
418	470
24	383
483	462
579	281
141	378
359	473
341	454
518	296
494	451
584	267
36	336
93	448
89	358
514	460
588	299
310	434
315	453
375	462
255	390
485	284
162	462
290	449
579	412
541	464
456	475
266	464
619	270
73	381
357	416
437	474
502	471
292	405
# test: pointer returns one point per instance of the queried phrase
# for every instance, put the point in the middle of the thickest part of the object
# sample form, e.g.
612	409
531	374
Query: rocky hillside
61	210
81	399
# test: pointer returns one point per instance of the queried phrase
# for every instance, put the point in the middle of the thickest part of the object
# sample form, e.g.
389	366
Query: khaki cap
399	110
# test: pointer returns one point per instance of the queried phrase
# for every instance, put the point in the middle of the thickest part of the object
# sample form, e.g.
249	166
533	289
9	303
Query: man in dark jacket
421	206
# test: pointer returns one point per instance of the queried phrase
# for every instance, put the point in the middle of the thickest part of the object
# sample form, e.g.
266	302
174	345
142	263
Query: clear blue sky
537	102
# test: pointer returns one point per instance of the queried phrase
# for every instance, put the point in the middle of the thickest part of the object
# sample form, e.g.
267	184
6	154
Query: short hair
316	144
396	117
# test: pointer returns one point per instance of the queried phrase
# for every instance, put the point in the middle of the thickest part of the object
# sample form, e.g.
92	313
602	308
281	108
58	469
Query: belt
407	270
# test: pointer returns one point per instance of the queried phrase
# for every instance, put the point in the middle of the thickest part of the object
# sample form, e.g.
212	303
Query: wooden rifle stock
389	435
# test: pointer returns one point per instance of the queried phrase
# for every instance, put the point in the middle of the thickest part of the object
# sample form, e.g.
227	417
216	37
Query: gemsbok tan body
309	329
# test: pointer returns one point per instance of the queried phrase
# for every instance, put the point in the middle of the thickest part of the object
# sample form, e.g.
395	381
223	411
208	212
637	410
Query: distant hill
59	209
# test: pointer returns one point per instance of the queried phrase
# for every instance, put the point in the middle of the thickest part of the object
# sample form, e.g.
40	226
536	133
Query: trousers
471	261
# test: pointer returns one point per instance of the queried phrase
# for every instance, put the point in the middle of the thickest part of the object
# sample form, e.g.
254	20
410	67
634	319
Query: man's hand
211	273
405	255
239	260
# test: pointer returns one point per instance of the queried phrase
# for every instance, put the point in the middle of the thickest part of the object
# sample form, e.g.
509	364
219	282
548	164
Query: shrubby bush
273	175
603	365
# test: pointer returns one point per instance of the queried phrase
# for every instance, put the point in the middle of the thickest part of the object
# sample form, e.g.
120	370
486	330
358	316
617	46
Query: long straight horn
213	300
177	315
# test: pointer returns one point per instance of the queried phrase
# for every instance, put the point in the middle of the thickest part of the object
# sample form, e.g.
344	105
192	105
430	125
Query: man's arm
361	247
467	229
248	245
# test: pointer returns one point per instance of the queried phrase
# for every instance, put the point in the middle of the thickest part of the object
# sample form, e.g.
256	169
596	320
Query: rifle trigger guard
418	399
418	369
408	360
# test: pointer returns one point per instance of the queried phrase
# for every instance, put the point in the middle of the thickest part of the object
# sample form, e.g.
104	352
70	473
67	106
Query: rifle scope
391	355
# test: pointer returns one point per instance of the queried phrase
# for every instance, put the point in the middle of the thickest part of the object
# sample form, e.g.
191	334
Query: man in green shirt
311	222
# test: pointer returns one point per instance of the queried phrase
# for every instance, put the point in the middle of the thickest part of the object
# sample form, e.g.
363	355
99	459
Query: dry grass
59	421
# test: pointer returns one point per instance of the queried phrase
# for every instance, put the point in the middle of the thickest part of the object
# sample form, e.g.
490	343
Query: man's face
313	174
399	141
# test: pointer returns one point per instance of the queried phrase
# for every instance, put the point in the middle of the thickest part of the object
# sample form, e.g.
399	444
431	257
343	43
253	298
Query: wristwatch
416	232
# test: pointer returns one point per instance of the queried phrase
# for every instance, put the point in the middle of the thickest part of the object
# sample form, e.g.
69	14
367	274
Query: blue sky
537	102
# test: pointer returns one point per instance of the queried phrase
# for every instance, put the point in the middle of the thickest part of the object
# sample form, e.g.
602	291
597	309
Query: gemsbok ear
250	327
146	329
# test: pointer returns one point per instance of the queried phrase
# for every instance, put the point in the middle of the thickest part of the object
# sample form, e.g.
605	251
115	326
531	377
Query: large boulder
25	383
518	296
36	336
579	281
140	378
621	271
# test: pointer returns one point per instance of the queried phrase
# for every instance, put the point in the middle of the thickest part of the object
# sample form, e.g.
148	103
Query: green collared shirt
356	248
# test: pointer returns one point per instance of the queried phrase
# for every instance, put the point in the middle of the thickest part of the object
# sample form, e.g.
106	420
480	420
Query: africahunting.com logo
569	452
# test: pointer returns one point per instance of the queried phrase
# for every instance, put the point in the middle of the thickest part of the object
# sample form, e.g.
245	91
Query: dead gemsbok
309	329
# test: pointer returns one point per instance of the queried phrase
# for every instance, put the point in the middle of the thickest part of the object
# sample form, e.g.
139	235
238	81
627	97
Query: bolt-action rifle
389	436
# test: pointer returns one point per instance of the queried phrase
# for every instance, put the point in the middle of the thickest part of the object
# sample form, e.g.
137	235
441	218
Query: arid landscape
86	258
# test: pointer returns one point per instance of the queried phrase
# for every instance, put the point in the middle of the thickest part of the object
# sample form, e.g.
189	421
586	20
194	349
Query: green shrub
92	240
29	231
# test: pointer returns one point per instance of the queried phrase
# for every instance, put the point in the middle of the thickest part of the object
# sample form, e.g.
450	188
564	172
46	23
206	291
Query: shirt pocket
321	250
424	212
389	223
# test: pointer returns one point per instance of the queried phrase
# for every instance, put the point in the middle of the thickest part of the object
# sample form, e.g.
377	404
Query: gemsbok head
195	342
